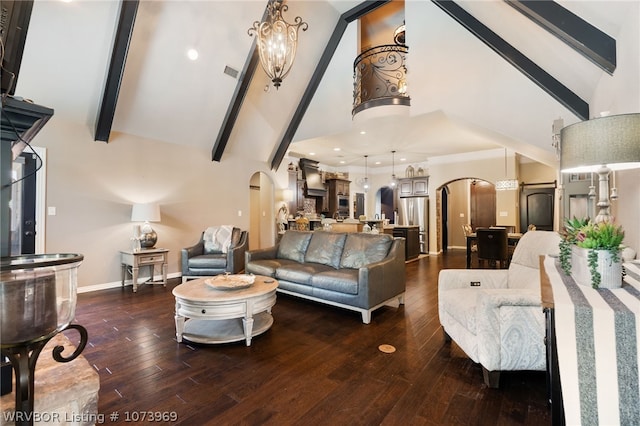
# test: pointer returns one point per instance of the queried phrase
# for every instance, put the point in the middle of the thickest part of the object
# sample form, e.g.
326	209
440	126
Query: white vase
610	271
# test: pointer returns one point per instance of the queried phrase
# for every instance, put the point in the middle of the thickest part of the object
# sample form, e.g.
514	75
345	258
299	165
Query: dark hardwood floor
317	365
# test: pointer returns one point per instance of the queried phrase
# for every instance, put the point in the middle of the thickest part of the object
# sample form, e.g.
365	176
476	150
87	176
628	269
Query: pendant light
277	41
366	175
506	184
394	181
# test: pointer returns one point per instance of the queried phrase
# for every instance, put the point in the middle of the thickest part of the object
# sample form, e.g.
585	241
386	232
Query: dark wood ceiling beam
237	99
592	43
535	73
240	92
345	19
115	72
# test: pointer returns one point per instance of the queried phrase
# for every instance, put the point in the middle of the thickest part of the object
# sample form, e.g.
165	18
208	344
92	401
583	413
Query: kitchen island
411	233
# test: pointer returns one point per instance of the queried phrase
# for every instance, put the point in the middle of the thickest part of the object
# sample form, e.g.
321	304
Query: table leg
468	253
179	324
123	273
247	322
134	276
164	274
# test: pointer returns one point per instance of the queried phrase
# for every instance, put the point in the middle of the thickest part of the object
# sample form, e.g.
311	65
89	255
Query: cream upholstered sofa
496	316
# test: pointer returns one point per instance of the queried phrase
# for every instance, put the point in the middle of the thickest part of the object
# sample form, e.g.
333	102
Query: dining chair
493	247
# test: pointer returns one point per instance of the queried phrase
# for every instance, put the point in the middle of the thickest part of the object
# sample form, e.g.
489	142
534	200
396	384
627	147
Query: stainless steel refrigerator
415	211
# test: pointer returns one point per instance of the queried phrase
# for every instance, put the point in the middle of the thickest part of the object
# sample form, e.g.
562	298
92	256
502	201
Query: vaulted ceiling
464	96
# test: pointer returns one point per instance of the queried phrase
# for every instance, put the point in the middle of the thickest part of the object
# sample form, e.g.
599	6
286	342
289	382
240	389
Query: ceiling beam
240	92
115	72
237	99
345	19
592	43
535	73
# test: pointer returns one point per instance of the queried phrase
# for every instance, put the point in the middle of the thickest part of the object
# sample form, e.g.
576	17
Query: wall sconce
601	145
146	212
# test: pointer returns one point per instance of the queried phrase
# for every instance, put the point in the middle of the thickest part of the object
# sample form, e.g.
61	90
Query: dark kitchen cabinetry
338	194
411	234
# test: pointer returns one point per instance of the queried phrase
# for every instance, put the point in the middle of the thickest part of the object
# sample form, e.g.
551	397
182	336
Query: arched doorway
463	201
262	226
386	198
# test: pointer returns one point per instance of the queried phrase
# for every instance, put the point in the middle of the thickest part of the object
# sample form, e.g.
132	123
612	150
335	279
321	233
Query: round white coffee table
222	316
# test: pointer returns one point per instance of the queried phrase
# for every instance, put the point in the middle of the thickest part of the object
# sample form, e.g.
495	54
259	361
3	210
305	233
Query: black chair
493	246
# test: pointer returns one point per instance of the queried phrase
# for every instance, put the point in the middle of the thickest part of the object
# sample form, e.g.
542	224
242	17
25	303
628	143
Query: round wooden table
222	316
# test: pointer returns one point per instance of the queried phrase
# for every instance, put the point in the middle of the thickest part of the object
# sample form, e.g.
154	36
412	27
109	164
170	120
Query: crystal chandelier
277	41
506	184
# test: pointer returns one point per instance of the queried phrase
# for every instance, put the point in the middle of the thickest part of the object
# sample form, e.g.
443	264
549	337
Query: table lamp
601	145
146	212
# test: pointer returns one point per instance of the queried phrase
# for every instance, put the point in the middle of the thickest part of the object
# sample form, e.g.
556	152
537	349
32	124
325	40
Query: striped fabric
597	333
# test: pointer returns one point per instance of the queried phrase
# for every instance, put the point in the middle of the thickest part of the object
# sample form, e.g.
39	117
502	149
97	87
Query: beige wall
93	185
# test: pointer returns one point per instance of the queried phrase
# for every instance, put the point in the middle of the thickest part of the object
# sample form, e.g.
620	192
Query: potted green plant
590	252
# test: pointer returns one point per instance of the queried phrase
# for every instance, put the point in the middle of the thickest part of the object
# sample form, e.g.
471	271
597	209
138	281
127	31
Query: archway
262	226
463	201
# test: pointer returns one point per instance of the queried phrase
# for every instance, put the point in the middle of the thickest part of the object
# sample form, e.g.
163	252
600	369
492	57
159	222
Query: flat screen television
14	23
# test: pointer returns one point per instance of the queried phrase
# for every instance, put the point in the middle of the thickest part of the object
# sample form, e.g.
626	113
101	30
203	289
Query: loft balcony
379	77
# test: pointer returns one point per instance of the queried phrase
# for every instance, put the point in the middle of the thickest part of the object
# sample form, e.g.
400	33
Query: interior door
483	204
536	208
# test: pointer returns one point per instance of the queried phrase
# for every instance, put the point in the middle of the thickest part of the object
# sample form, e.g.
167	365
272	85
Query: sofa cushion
208	261
267	267
293	245
342	281
363	249
325	248
300	272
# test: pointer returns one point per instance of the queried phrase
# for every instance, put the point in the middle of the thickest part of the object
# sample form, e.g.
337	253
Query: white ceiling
464	97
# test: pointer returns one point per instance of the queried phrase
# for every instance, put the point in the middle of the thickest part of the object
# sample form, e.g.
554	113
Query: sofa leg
366	317
491	378
401	299
184	279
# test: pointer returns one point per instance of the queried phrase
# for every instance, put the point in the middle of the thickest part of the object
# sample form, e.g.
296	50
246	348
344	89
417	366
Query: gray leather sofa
198	262
355	271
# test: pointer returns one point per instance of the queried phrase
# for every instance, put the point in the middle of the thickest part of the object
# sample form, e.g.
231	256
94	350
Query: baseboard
116	284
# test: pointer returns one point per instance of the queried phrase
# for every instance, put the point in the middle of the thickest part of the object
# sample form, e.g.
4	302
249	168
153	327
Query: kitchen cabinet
411	234
413	187
338	194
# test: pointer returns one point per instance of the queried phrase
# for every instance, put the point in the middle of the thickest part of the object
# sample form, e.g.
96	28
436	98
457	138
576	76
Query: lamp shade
612	141
145	212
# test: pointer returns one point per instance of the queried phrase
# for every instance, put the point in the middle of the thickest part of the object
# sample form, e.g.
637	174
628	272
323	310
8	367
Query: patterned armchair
495	316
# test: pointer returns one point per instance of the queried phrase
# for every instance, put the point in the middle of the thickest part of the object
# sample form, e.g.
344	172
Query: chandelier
277	41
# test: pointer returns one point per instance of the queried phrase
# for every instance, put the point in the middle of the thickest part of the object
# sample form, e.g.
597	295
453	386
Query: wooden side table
142	258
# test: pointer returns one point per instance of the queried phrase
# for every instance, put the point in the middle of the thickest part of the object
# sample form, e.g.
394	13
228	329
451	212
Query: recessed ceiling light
336	149
362	132
312	153
342	161
403	159
377	163
192	54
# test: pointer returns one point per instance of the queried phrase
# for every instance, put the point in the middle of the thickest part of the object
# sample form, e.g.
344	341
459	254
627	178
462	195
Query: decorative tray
230	282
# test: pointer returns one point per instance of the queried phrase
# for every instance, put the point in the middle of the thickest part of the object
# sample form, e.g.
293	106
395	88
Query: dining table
512	240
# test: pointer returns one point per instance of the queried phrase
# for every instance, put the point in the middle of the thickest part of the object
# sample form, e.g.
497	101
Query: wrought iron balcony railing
379	77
